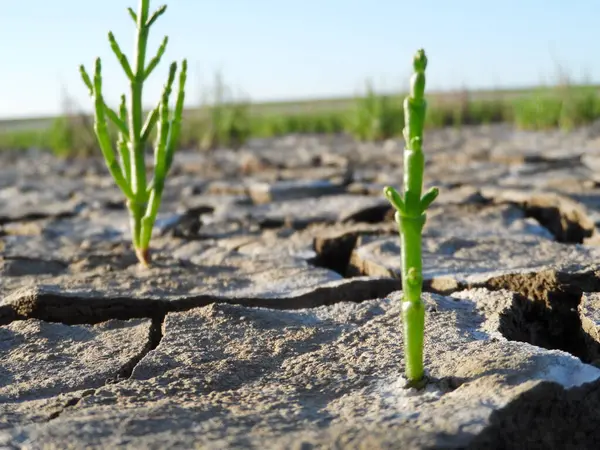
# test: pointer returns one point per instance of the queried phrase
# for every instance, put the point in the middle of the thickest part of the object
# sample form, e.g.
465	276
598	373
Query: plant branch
159	162
120	56
154	62
132	14
114	118
176	122
159	12
102	134
124	141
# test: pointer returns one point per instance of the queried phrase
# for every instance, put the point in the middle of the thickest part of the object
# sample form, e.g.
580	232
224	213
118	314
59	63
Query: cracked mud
271	317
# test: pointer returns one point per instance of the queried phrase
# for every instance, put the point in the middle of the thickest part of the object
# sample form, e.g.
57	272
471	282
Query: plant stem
167	136
410	226
410	216
136	145
413	309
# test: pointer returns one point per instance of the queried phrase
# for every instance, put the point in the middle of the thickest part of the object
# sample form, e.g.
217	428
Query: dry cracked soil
270	318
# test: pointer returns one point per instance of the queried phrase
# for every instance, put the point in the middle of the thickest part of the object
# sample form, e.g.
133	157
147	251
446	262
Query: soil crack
155	335
70	404
334	248
7	315
545	310
562	216
50	304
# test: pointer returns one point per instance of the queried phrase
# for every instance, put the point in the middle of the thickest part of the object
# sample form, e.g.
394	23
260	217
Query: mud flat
270	318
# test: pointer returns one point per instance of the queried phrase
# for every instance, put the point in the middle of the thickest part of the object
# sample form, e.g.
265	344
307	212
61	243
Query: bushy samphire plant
410	216
126	160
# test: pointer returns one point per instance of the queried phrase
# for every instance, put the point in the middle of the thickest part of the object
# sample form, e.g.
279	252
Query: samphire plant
129	169
410	216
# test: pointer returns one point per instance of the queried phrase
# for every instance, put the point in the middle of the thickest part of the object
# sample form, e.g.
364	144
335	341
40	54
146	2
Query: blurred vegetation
69	135
226	121
375	116
73	136
565	107
222	121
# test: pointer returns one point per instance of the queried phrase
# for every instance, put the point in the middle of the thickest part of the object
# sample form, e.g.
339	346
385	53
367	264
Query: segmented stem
410	216
160	149
101	129
176	123
136	81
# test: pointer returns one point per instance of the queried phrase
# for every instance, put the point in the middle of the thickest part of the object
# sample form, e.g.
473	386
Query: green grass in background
222	121
375	116
565	107
225	120
24	139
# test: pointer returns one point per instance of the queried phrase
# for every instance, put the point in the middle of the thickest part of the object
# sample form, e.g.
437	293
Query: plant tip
420	61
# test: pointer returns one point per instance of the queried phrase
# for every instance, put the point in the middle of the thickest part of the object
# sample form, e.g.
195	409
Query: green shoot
127	164
410	216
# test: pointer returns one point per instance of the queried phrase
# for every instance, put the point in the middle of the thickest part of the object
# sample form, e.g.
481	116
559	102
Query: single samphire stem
410	216
129	170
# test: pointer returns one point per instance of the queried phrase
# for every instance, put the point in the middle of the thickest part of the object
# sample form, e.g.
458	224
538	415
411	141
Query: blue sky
278	49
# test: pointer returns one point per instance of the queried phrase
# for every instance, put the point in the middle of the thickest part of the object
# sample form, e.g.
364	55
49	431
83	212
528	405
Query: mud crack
562	216
155	335
72	402
334	248
545	417
545	310
50	304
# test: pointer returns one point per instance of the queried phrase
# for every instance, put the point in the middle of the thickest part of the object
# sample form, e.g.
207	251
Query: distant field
371	117
293	107
25	124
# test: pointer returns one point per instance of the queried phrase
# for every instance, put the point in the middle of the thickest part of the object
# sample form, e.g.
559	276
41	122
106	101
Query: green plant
226	121
410	216
375	117
143	198
487	112
72	133
304	122
537	111
23	139
71	136
580	105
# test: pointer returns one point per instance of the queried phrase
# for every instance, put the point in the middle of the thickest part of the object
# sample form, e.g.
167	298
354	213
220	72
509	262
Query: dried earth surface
270	318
